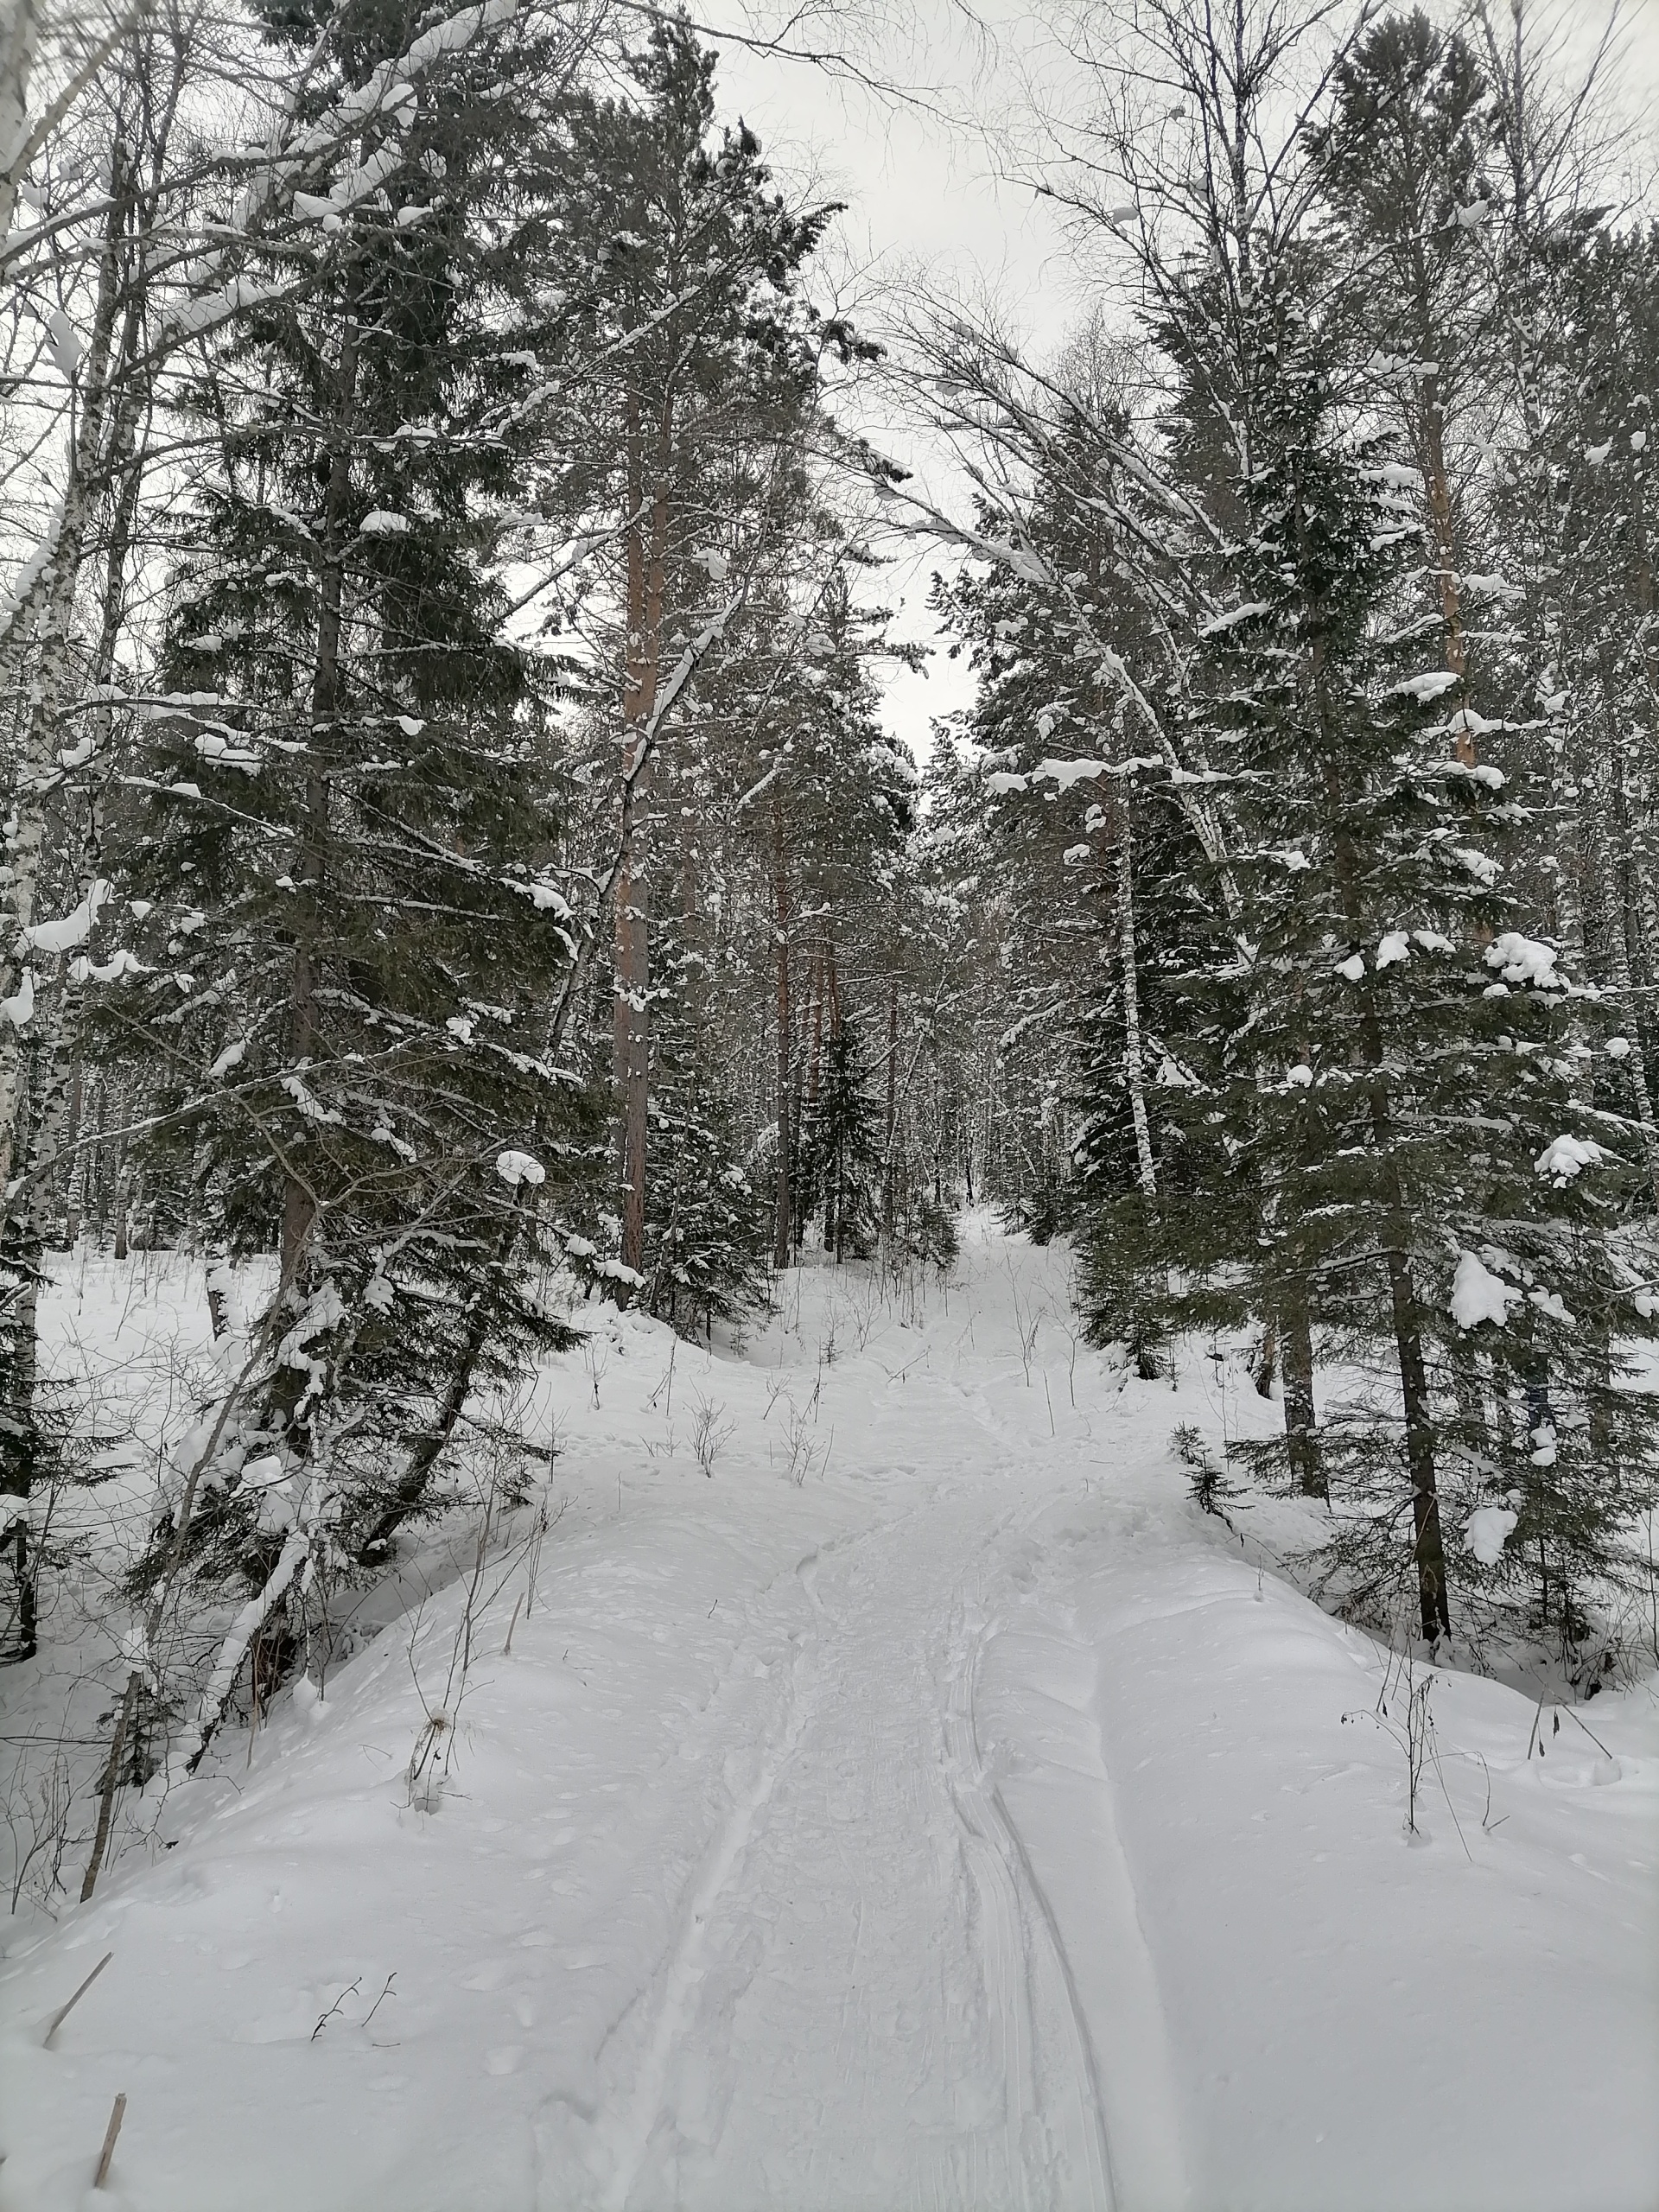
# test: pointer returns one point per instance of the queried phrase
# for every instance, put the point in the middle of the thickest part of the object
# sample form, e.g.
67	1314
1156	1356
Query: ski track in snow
1021	1939
872	1789
629	2142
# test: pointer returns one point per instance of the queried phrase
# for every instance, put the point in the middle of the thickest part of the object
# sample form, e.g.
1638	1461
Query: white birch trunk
1134	1073
38	769
20	33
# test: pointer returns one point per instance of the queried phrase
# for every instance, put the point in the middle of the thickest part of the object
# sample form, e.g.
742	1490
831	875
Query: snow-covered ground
926	1806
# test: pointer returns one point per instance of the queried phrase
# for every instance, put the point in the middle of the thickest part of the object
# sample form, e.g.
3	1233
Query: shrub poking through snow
1206	1483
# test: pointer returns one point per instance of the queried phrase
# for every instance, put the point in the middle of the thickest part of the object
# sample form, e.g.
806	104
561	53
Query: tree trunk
1428	1546
1624	938
37	773
1133	1067
88	1094
20	33
111	1783
633	1057
816	1061
783	1218
646	552
1264	1366
1302	1451
76	1116
27	1231
892	1107
1442	522
430	1445
298	1202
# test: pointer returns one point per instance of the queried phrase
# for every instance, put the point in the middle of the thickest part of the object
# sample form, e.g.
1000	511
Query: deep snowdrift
929	1808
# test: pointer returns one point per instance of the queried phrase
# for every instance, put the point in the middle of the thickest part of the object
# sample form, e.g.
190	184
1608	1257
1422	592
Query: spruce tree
352	926
1403	170
842	1163
707	1230
1395	1060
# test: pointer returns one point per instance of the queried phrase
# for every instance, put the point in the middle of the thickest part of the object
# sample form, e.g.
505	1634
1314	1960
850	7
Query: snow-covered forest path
869	1997
927	1809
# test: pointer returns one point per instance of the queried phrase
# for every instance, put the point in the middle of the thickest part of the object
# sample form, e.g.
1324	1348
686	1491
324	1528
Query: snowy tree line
1310	595
453	852
454	856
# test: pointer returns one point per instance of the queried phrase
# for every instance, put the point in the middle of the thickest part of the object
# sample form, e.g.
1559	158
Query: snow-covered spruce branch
1021	559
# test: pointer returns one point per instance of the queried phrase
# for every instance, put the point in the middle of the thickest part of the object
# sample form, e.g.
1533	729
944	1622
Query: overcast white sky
923	185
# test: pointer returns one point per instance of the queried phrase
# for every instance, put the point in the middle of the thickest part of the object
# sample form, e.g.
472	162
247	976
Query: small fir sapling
1207	1484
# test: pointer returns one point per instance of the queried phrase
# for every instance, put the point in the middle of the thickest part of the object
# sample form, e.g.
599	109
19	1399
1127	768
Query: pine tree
699	361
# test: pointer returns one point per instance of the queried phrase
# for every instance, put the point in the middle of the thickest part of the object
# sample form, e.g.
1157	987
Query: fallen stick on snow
64	2010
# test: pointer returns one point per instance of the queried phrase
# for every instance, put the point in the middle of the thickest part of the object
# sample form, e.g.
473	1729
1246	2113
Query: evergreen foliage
347	927
458	862
841	1159
1350	1039
706	1231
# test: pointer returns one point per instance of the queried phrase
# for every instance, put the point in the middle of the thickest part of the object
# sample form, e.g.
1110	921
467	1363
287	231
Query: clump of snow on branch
516	1168
1479	1295
1487	1530
1567	1157
1521	959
